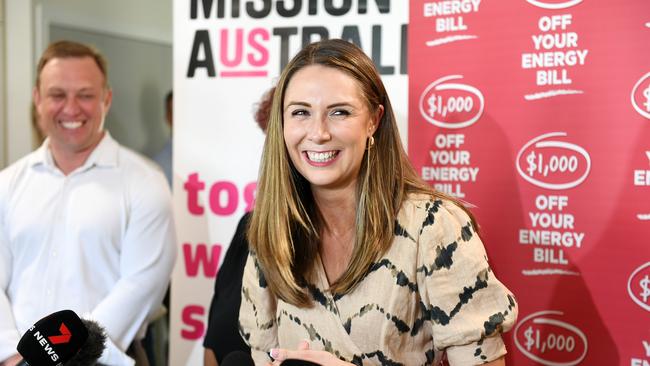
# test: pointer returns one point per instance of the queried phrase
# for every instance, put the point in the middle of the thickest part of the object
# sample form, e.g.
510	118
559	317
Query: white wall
144	19
19	62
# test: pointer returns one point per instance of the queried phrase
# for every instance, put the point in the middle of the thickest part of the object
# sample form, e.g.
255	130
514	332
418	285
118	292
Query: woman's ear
379	113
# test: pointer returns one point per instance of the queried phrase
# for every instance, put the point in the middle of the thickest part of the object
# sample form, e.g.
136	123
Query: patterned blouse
432	293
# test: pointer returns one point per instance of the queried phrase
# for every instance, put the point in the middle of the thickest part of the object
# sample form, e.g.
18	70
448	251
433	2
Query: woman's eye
299	112
340	113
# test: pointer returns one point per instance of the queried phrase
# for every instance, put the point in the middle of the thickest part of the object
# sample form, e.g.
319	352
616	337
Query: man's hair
70	49
285	228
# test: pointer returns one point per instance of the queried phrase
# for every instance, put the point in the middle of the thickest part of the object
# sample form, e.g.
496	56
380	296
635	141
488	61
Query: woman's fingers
303	345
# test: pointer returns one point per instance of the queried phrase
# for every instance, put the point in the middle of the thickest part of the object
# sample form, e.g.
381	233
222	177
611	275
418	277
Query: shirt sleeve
9	335
466	304
257	313
146	261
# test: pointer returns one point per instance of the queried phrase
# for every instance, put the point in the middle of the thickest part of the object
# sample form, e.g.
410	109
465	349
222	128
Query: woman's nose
319	129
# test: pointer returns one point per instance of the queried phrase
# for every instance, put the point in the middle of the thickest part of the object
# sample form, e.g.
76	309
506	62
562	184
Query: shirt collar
105	154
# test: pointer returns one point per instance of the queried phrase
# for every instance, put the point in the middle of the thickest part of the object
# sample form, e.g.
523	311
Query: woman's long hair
284	232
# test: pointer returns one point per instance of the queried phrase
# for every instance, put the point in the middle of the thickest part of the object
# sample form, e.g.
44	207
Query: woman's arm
257	323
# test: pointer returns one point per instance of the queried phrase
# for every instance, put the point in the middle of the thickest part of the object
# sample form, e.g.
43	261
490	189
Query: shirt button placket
58	237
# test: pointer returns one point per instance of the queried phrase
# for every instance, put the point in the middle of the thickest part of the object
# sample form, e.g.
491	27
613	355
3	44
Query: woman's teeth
321	157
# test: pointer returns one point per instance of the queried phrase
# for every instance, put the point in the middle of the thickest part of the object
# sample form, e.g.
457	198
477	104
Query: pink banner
538	113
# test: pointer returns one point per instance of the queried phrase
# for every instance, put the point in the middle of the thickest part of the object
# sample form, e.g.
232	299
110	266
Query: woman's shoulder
430	214
423	205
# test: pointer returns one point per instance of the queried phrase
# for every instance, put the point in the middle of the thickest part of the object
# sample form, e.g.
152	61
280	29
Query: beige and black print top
432	292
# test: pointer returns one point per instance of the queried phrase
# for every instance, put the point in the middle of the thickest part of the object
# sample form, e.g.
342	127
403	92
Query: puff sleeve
467	306
257	323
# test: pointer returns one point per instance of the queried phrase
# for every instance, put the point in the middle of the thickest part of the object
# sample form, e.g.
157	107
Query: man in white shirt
85	224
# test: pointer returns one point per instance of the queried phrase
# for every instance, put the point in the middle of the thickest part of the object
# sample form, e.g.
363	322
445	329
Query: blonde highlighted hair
285	228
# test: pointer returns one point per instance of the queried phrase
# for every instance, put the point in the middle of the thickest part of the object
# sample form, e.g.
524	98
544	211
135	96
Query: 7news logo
63	338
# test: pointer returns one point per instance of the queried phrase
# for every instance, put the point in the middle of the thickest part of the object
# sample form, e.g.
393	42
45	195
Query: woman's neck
337	209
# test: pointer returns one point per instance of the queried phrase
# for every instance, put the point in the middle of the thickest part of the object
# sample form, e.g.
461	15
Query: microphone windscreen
92	350
237	358
53	340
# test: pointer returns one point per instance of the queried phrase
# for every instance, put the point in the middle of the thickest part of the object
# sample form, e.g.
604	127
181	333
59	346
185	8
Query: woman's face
326	126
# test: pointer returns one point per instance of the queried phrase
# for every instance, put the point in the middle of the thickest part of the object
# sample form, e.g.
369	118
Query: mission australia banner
537	112
227	53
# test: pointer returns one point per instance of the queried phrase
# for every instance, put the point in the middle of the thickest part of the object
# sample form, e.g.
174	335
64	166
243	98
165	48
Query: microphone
62	339
237	358
293	362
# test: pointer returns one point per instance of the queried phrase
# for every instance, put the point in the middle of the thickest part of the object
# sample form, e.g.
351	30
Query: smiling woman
350	249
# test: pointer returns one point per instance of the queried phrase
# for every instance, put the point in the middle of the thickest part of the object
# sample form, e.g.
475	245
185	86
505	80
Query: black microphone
293	362
237	358
62	338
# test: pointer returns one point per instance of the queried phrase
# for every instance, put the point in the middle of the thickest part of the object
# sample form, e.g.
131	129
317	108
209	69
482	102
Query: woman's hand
303	352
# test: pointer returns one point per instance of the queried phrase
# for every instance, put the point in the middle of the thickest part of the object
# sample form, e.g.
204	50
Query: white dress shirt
164	160
99	241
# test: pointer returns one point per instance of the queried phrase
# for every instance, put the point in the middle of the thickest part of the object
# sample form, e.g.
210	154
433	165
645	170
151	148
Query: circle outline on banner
564	5
557	323
636	86
629	286
452	86
561	144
